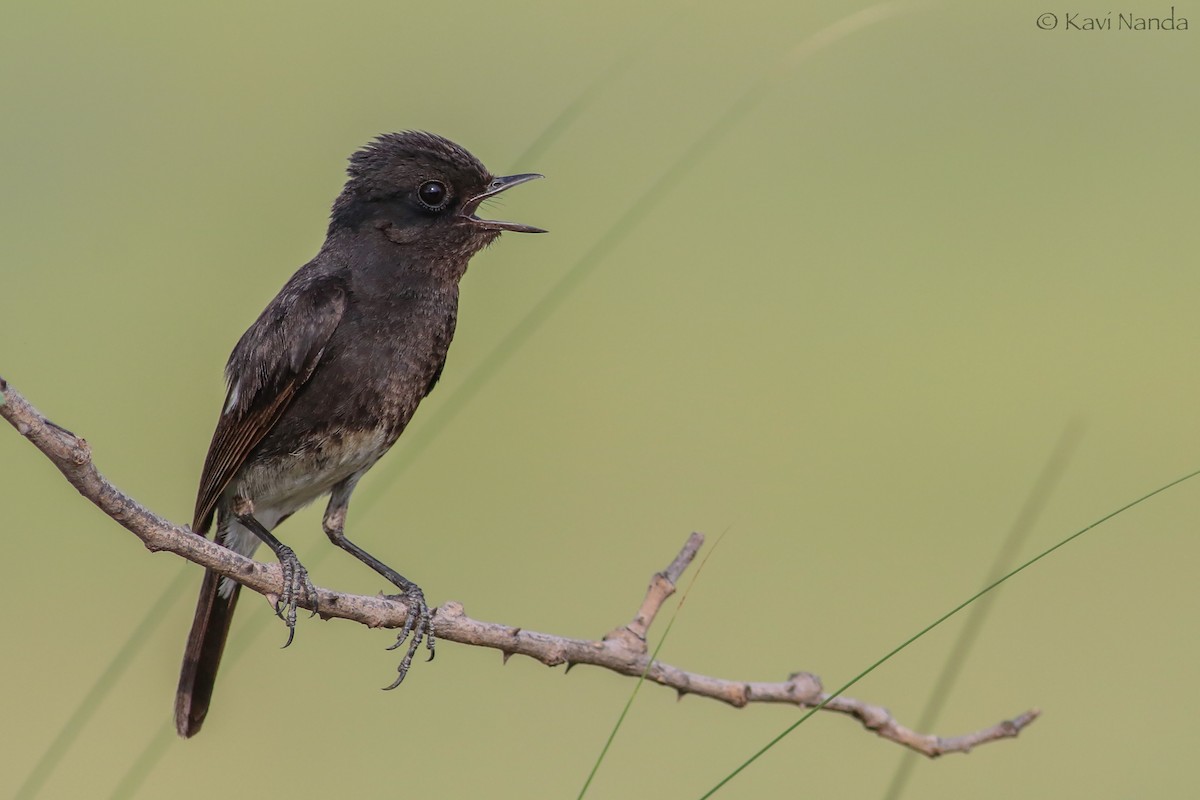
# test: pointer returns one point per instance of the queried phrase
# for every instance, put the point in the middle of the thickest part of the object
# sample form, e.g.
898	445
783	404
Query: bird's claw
418	626
296	586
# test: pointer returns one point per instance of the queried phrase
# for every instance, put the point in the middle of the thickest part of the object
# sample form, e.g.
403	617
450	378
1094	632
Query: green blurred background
849	334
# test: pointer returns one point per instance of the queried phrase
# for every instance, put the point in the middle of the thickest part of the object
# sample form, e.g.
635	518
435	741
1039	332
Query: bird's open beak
494	188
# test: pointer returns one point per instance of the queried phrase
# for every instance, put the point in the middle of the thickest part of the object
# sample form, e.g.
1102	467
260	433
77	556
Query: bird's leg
295	576
419	624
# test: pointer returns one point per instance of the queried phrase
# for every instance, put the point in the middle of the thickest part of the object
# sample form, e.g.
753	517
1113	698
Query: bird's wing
270	363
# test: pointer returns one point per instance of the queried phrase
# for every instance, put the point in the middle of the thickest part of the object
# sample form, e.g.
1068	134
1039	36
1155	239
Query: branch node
805	688
449	611
625	639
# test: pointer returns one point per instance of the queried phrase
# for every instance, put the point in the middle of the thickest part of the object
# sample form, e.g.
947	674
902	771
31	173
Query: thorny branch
622	650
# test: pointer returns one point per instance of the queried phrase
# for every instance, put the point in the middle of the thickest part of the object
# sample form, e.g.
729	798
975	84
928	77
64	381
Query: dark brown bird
330	373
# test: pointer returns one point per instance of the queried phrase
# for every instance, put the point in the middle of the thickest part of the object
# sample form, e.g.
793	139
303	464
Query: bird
328	376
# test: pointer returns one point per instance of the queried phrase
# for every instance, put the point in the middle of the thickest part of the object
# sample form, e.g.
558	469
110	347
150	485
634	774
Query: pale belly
281	486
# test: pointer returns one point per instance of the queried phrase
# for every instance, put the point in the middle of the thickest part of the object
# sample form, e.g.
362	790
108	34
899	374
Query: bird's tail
206	642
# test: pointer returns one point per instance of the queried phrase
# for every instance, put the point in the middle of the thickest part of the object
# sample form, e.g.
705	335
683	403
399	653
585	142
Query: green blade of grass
612	735
938	622
653	657
1039	495
48	762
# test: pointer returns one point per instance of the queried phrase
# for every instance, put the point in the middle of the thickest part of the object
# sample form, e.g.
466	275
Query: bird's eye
433	195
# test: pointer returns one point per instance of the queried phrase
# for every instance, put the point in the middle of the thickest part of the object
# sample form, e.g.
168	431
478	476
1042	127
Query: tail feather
205	644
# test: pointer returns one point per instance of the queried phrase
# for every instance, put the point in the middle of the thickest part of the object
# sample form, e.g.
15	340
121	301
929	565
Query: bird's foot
296	587
418	626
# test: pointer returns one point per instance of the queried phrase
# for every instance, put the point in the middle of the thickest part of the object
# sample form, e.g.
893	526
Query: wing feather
272	360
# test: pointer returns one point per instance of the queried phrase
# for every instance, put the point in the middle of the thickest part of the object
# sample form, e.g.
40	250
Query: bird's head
422	190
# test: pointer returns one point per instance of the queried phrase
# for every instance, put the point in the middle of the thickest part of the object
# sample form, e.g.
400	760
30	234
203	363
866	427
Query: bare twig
622	650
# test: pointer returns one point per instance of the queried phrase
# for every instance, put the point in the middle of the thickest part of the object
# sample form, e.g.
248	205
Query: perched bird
329	375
